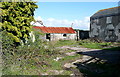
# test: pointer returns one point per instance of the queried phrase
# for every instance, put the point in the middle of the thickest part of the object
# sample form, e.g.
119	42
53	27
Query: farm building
105	24
82	34
57	33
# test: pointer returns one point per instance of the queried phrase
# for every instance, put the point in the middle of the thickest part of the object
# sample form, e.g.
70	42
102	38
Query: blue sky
65	13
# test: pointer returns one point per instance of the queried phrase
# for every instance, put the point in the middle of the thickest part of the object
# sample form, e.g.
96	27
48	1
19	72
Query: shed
57	33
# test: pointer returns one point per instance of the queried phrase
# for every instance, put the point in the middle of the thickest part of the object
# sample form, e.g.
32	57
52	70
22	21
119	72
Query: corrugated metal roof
55	29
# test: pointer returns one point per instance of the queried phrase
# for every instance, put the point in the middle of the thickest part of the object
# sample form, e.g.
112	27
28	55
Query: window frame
111	31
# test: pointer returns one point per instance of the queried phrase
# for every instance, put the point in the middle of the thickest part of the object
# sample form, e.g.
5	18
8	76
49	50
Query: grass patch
94	45
70	58
67	50
66	43
89	44
99	45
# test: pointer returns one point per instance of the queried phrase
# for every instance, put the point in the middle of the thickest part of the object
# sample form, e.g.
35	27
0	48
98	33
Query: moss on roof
107	12
108	9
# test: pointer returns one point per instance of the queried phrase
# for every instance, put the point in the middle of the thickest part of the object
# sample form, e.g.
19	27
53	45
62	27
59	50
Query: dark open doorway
48	36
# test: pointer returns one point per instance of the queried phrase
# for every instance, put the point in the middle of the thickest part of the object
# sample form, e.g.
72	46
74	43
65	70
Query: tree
16	18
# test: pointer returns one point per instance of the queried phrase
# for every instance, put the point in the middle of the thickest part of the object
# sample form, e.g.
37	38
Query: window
96	21
119	30
64	35
109	20
111	31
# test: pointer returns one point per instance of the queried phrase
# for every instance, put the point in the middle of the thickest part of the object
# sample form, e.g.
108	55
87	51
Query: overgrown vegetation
32	58
22	60
36	58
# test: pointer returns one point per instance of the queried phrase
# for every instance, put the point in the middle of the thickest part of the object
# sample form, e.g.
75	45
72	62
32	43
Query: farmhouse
105	24
57	33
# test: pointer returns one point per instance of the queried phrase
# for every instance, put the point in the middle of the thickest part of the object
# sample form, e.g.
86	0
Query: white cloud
77	24
38	18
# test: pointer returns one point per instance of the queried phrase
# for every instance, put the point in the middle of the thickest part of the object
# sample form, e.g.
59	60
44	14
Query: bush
31	55
7	41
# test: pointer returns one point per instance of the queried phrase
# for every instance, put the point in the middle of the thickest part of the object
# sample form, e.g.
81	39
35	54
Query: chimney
72	25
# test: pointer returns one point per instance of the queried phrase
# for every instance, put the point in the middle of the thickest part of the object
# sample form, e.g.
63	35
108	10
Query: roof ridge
108	9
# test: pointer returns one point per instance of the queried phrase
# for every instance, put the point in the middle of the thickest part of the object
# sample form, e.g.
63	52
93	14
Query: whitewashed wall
61	37
54	36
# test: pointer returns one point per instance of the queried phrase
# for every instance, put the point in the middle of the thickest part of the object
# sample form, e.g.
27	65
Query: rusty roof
55	29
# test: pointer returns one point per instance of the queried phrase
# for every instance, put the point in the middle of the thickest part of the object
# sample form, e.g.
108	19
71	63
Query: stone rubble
58	58
56	72
71	53
69	65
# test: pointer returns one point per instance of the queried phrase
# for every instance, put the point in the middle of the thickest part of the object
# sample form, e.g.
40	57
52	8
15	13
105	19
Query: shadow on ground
102	63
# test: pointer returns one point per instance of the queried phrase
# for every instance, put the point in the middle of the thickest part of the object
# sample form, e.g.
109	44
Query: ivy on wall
16	18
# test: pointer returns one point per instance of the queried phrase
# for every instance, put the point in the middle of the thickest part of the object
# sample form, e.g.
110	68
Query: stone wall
106	28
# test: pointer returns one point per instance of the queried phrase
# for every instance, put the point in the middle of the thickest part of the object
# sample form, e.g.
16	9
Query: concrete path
108	55
87	56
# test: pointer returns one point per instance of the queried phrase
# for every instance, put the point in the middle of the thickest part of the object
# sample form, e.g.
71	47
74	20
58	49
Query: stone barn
57	33
105	24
